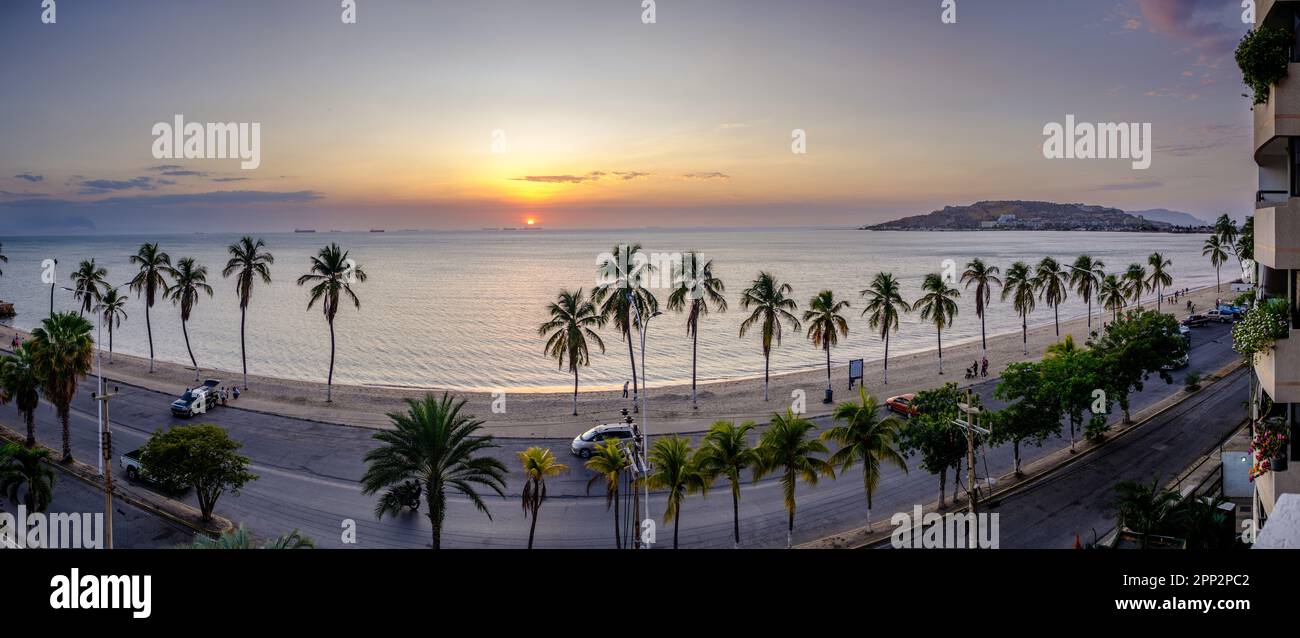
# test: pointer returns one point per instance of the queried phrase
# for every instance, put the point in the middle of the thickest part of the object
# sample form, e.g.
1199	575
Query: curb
867	537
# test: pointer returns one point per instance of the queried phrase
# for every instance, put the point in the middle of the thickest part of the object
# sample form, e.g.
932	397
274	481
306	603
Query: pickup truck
1221	316
131	465
197	400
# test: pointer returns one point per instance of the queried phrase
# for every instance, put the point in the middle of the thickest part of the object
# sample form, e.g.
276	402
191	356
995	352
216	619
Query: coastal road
309	476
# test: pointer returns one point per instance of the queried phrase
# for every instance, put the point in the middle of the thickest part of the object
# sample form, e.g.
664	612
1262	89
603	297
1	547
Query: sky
579	114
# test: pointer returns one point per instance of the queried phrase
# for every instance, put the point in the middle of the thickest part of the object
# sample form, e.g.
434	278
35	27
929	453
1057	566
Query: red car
902	404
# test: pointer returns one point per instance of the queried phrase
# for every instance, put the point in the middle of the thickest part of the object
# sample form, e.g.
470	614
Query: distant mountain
1022	215
1174	217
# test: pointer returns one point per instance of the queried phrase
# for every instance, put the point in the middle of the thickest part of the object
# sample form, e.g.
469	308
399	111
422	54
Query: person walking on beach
236	393
984	367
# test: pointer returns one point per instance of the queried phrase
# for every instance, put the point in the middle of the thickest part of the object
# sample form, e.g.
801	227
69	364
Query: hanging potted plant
1268	447
1262	326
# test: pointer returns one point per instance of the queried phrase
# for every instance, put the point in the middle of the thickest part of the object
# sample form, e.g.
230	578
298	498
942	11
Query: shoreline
547	414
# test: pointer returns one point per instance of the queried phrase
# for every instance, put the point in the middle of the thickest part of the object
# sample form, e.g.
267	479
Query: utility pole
971	411
106	458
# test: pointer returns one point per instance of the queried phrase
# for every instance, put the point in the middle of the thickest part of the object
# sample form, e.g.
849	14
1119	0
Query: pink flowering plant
1268	443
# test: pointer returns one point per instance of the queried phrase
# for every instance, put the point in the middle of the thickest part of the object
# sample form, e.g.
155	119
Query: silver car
584	445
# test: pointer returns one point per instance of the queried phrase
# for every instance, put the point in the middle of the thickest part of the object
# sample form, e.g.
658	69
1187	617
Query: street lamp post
644	325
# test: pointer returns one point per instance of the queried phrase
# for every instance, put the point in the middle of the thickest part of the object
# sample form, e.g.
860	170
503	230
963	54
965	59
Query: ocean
461	309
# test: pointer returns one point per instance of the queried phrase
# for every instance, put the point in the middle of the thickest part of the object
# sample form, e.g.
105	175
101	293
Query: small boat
376	230
304	230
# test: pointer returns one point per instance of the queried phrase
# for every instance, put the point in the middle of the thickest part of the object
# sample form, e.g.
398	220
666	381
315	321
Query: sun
531	221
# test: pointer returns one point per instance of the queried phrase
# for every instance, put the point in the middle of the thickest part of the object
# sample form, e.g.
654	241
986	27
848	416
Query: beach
548	414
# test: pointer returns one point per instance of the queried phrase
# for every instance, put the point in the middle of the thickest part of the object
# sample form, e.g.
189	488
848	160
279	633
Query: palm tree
333	273
865	437
88	281
1135	283
608	462
1050	281
436	445
938	306
538	464
770	304
786	447
112	310
1227	231
884	304
984	277
1144	508
249	262
621	277
3	258
696	289
1214	249
149	281
189	279
20	383
568	332
239	538
62	352
1085	278
25	468
826	325
677	470
1159	277
1112	295
1019	286
726	452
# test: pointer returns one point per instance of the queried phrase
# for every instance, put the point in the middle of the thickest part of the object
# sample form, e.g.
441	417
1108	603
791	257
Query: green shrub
1263	56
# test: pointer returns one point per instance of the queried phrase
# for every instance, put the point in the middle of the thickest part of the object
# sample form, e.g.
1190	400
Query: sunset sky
608	122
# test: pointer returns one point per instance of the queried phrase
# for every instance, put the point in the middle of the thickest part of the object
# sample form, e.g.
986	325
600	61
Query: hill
1026	215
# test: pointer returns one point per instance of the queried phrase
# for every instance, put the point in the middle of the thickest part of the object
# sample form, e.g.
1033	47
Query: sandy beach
548	415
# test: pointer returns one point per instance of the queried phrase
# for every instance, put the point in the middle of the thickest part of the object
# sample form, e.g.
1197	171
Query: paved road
309	473
132	527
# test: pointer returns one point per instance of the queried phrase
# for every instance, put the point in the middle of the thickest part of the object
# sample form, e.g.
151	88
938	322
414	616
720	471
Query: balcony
1280	116
1277	235
1278	369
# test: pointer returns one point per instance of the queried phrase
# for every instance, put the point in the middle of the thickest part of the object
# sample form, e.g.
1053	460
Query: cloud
166	167
13	194
31	178
593	176
1199	21
630	175
100	186
174	173
229	179
213	197
706	176
1131	186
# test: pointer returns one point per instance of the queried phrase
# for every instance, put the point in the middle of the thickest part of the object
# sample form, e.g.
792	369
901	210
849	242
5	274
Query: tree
1159	277
203	457
786	447
249	263
884	307
726	452
769	301
1246	242
1214	249
1135	283
695	290
150	280
984	277
1143	508
1085	277
568	332
62	352
25	468
677	470
20	383
1227	231
932	435
621	276
1111	295
1141	344
3	259
112	310
333	274
1072	374
826	325
1032	415
189	279
1019	286
437	445
88	281
608	462
239	538
864	437
1050	282
938	306
538	464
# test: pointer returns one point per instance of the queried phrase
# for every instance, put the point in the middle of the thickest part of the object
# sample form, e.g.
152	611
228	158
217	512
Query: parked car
585	444
1186	334
1196	321
1181	362
902	404
1221	316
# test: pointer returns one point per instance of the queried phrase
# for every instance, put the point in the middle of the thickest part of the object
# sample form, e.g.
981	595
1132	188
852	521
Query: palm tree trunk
1089	314
185	331
149	329
1015	446
243	350
618	538
984	341
30	417
886	357
677	523
735	512
575	390
1218	286
695	342
939	334
767	363
110	342
631	355
329	383
1056	318
67	434
1024	332
828	366
532	527
789	531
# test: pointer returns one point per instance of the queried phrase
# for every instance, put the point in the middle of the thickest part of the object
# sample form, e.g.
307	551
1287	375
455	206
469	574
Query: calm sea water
461	309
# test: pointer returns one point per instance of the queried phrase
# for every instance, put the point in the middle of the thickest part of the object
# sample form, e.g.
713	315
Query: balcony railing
1266	198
